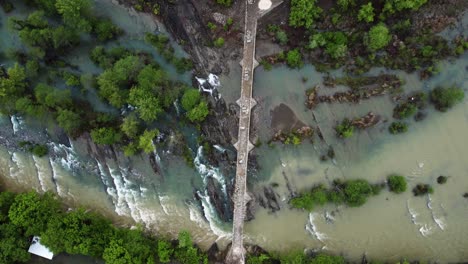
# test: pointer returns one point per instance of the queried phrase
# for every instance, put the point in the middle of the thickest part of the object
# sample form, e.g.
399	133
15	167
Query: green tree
147	103
69	121
116	253
303	13
85	233
446	98
130	247
366	13
378	37
6	200
392	6
396	183
32	212
219	42
198	113
130	126
165	251
190	99
75	13
13	244
105	30
106	136
226	3
345	4
356	192
145	141
14	84
326	259
294	59
52	97
404	110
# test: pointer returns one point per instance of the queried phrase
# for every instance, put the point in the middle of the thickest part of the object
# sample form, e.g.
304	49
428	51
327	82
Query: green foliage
12	86
393	6
13	244
366	13
226	3
398	127
257	259
32	212
326	259
294	59
52	97
185	240
345	4
35	149
219	42
69	121
7	6
396	183
211	26
422	189
105	30
404	110
316	197
345	129
106	136
6	200
129	246
199	112
145	141
379	37
356	192
446	98
282	37
85	233
75	13
165	251
303	13
190	99
335	43
130	126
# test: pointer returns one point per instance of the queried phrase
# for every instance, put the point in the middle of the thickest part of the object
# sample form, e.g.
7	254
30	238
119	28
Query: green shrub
294	59
211	26
326	259
445	98
345	129
422	189
378	37
282	37
39	150
303	13
398	127
404	110
219	42
396	183
226	3
356	192
366	13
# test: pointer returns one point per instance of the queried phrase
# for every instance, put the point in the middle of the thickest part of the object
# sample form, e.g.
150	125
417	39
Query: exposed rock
218	200
311	96
366	121
219	18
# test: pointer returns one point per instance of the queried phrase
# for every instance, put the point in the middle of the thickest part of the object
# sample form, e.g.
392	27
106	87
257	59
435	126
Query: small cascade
311	227
55	177
41	173
177	107
163	201
425	229
107	182
17	123
210	85
66	156
208	171
210	214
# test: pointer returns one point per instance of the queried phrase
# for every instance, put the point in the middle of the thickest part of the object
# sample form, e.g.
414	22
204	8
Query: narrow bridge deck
243	144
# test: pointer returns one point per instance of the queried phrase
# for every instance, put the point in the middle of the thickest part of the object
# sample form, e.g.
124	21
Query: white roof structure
38	249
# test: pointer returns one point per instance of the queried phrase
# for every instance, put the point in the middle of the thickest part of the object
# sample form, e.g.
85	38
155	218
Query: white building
38	249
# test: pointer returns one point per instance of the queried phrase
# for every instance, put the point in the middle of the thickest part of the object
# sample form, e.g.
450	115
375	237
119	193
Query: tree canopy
303	13
379	37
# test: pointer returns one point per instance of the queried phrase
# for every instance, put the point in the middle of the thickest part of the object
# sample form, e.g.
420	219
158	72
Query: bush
396	183
398	127
356	192
378	37
445	98
219	42
190	99
106	136
345	129
281	37
422	189
39	150
294	59
404	110
441	179
226	3
303	13
366	13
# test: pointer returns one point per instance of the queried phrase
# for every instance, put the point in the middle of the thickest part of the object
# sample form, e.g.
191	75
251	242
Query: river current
388	227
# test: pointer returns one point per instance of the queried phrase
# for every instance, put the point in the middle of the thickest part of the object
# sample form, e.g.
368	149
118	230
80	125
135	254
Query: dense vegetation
42	84
396	183
81	232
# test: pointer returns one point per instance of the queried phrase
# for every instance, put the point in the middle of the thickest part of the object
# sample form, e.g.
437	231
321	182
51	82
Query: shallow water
388	227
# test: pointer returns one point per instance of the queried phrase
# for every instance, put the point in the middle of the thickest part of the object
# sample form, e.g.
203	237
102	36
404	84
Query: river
388	227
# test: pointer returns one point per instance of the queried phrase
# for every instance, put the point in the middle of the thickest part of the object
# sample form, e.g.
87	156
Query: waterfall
17	123
210	214
208	171
176	106
55	177
210	85
41	174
